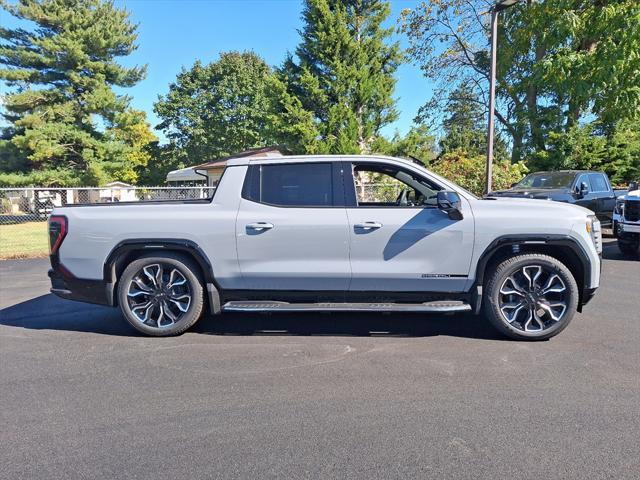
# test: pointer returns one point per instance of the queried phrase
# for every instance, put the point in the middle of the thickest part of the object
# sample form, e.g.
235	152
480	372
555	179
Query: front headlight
593	227
619	207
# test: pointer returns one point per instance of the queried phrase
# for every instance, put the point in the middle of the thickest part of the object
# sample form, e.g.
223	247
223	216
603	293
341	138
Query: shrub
468	171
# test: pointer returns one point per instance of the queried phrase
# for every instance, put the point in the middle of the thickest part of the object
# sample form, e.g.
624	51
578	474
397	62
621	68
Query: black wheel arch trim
170	244
533	240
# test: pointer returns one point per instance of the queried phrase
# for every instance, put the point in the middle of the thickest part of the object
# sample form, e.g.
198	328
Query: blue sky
174	33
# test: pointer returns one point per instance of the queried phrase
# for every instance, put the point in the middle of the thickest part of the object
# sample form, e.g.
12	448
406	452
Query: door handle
368	225
260	226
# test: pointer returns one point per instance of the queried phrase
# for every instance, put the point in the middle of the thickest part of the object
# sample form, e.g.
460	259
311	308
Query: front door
292	229
400	240
586	199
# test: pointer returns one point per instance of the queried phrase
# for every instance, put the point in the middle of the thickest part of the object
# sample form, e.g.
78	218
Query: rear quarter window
290	184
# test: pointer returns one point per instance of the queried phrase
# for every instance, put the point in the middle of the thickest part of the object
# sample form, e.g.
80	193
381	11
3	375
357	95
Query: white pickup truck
627	221
330	233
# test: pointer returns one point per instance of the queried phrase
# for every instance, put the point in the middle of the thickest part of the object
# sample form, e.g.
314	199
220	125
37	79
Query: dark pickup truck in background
588	189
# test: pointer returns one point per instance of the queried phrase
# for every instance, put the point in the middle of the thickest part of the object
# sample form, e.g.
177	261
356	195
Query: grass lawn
24	240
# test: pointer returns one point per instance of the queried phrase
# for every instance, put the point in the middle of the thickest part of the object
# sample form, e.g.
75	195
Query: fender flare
191	248
531	240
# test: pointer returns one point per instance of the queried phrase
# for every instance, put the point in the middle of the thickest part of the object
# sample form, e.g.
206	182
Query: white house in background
213	170
110	192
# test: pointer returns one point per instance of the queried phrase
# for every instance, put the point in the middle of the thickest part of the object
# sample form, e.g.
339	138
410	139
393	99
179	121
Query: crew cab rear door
292	228
400	240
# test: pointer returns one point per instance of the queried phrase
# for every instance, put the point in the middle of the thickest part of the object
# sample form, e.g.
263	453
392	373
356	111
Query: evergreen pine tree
63	114
343	74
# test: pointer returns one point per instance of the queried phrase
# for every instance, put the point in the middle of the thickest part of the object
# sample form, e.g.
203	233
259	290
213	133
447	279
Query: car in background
626	218
588	189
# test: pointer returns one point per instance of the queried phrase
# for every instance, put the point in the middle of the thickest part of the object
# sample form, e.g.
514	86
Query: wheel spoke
511	310
137	293
141	285
151	275
168	312
146	307
176	279
554	285
536	270
533	317
180	300
554	310
515	289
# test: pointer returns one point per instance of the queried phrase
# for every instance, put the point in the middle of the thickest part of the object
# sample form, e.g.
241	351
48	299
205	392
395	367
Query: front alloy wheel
161	295
531	297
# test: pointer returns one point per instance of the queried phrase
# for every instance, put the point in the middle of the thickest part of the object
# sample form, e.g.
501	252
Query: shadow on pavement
610	251
48	312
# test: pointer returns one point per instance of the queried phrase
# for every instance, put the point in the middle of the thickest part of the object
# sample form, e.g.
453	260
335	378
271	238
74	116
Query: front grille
632	211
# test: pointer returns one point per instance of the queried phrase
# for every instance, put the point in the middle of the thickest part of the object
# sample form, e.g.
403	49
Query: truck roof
312	158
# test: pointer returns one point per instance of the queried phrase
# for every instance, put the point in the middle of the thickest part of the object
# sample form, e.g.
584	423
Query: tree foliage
468	171
339	86
62	112
417	143
585	148
218	109
561	63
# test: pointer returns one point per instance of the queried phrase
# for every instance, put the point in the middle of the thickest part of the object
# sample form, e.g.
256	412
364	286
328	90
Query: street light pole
498	7
492	98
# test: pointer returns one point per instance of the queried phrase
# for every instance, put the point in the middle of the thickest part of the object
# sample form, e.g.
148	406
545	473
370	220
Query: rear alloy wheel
531	297
161	295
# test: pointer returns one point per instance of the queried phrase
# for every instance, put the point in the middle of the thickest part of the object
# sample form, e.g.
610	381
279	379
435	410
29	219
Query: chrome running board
426	307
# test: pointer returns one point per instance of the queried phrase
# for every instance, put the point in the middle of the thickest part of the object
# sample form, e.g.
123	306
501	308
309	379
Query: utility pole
498	7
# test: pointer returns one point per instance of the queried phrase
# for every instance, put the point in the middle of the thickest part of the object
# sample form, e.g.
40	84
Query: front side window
388	186
290	184
584	178
598	182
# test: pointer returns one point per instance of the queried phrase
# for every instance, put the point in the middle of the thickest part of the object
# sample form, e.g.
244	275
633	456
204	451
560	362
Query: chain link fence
24	211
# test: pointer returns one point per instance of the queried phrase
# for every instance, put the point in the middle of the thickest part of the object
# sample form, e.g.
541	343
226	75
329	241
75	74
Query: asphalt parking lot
316	395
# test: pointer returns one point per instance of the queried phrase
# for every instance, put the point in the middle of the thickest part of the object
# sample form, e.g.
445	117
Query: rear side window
290	184
598	182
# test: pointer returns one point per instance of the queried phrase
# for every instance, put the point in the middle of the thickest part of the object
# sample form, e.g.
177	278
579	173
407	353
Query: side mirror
513	184
633	186
449	202
583	189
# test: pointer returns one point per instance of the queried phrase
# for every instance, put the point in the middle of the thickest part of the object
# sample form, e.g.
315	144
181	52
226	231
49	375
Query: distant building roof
118	184
253	152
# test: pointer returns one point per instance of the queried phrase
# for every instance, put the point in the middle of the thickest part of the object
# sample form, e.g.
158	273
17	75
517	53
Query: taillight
57	232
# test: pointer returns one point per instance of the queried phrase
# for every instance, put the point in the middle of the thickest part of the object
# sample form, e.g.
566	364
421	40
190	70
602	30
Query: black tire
629	248
512	266
193	288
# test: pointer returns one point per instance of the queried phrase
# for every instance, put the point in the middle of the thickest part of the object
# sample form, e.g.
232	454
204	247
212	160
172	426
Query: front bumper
624	227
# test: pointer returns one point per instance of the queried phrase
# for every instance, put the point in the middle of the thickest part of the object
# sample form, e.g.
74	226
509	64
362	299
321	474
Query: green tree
342	75
560	62
586	147
63	114
464	125
469	171
417	143
218	109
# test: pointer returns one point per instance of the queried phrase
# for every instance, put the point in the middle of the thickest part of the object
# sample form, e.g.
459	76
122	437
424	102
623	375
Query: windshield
546	180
